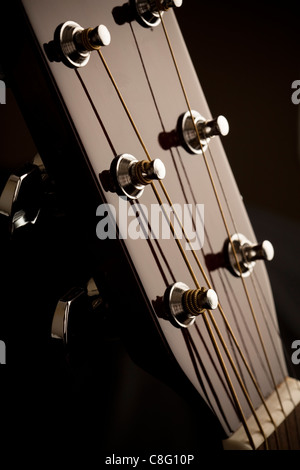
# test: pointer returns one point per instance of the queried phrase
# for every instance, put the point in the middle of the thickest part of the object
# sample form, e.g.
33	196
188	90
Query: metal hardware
20	200
206	129
77	43
131	176
70	310
65	309
186	304
147	11
247	254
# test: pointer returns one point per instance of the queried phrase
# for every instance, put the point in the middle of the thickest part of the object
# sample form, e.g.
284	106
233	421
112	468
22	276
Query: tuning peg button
130	176
66	315
73	44
242	254
20	200
186	304
163	5
70	319
148	12
264	251
195	132
216	127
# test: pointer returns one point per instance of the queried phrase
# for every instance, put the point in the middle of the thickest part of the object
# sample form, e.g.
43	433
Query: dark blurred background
246	56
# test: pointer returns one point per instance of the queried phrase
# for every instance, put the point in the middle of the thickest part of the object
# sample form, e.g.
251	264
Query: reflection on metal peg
148	12
130	176
20	200
71	312
186	304
67	309
164	5
195	131
246	253
75	43
218	126
264	251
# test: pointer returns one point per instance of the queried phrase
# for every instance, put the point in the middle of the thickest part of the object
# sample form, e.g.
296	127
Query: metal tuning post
130	176
206	129
246	253
186	304
147	11
75	43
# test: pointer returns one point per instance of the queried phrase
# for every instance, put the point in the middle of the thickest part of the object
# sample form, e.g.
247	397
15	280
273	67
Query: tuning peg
20	200
70	319
130	176
73	44
148	12
264	251
195	131
163	5
240	249
186	304
215	127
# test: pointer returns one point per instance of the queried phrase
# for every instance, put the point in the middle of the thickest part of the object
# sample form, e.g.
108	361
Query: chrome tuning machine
147	12
74	44
195	131
130	176
185	304
71	320
21	197
242	255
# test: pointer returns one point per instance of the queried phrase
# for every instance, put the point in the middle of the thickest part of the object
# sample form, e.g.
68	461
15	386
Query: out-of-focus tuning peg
71	317
20	200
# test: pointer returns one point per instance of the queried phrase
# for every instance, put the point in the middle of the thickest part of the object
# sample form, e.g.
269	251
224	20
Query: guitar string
157	194
192	347
262	309
277	329
148	158
254	282
171	226
164	129
198	364
287	356
254	274
223	217
157	108
161	121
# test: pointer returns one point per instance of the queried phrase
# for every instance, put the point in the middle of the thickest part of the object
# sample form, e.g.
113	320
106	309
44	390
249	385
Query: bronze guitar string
253	281
163	128
209	285
172	228
223	217
224	220
143	147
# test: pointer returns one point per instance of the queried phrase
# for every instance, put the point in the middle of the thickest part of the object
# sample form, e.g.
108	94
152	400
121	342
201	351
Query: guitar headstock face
126	129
